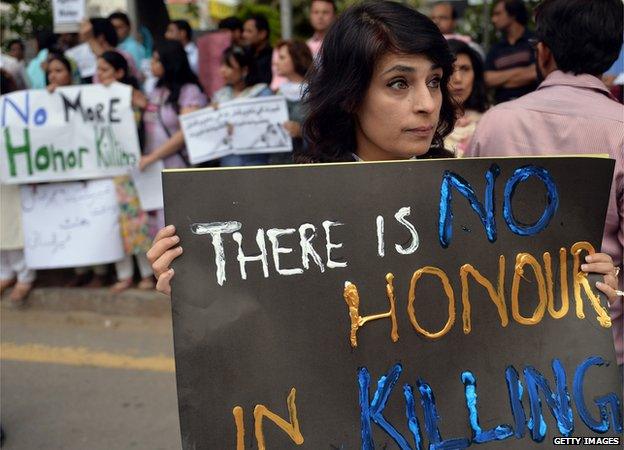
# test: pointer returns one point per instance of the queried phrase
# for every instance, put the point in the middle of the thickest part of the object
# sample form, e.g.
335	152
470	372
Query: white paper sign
67	15
149	186
237	127
85	59
75	133
71	224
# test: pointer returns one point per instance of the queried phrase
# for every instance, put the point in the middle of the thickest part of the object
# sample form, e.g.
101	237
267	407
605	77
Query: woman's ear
119	74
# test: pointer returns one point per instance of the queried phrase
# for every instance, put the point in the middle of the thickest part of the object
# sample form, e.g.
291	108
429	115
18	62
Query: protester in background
467	87
572	112
177	92
445	16
66	41
322	15
13	72
13	269
256	34
235	68
235	26
127	43
15	64
181	31
294	61
101	36
15	48
35	70
61	71
510	64
133	221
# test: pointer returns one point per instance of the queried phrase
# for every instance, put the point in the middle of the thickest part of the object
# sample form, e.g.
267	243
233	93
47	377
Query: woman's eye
398	84
434	83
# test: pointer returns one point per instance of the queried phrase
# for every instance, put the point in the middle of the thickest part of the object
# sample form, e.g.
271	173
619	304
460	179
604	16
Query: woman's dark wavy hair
477	101
118	62
177	71
339	79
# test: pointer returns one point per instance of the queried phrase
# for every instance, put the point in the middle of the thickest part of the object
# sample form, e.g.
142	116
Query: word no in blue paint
558	402
39	116
487	212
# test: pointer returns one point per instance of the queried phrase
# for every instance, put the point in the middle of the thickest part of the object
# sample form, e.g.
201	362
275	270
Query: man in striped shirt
572	111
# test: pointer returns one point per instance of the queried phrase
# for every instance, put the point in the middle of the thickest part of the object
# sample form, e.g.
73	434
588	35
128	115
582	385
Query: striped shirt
567	114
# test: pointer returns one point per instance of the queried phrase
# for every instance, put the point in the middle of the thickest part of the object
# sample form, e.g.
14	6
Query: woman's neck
238	87
295	78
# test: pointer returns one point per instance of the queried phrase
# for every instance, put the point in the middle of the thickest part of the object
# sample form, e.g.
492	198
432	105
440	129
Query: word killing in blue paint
558	402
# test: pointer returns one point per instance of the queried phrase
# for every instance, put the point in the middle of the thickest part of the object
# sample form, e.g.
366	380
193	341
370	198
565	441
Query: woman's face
107	73
158	70
285	66
462	81
400	111
232	72
58	75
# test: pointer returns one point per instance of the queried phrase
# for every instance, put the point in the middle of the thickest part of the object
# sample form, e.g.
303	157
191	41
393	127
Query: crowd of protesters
554	88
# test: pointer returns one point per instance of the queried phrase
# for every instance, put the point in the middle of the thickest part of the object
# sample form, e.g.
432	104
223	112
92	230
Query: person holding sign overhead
379	93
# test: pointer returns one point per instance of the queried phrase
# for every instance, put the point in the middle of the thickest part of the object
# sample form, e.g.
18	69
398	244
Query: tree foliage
26	16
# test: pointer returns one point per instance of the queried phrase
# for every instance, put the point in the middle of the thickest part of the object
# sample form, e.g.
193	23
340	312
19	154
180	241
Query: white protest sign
237	127
75	133
71	224
67	15
148	184
85	59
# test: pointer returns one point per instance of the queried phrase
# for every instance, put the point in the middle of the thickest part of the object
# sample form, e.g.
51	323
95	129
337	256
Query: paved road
86	381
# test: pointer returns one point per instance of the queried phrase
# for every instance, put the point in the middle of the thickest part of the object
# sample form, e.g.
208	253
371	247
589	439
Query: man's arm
511	78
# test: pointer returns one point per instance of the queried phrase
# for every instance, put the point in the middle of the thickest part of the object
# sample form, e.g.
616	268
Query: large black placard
462	261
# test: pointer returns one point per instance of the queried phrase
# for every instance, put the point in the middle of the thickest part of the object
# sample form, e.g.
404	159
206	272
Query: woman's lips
424	131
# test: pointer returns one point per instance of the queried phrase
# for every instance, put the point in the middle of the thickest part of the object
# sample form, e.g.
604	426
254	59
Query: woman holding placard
133	221
61	71
378	92
177	92
235	67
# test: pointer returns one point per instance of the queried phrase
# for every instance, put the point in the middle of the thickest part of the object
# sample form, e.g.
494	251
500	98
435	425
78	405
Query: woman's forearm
172	146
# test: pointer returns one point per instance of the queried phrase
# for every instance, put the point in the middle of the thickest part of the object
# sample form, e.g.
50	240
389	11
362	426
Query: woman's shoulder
190	89
191	94
259	90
